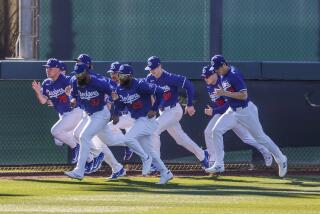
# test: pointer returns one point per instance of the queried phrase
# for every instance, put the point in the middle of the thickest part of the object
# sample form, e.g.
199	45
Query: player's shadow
216	190
13	195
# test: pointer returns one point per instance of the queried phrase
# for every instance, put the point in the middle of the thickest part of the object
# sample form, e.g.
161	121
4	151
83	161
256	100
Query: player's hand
49	103
208	111
151	114
73	102
114	95
190	110
220	91
115	119
67	90
36	86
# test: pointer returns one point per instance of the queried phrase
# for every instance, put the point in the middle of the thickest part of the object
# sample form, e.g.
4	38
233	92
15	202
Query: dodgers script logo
55	93
227	86
165	88
88	95
129	98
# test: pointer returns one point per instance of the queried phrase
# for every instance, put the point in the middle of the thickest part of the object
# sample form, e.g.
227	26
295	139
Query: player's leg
166	119
250	119
96	122
243	133
208	138
165	174
141	127
66	123
226	122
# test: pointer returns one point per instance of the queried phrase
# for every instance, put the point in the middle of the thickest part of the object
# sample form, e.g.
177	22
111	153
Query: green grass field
225	194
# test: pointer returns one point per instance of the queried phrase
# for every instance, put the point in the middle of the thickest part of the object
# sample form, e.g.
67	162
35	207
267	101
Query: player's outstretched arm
36	86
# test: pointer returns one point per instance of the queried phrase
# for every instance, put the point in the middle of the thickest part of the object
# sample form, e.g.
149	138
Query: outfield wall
278	90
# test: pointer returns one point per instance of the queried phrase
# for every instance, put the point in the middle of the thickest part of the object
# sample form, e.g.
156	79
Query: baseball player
125	120
216	108
99	151
53	89
136	96
241	111
171	111
90	90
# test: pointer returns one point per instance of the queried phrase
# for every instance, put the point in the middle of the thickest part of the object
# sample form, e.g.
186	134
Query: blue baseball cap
84	58
114	67
52	63
63	66
79	68
153	62
217	61
206	71
126	69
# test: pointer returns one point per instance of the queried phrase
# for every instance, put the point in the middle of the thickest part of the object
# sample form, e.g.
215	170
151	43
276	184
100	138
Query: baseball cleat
116	175
165	178
205	162
283	167
75	154
88	167
73	175
146	166
215	169
97	162
127	154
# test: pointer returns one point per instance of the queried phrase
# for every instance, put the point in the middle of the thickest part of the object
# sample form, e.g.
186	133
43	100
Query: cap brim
147	68
76	59
110	71
47	66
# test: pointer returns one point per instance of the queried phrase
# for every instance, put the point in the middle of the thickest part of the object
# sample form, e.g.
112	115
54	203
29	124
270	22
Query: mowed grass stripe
225	194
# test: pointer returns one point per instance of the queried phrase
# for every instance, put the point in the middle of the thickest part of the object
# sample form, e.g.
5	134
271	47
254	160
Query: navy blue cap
63	66
79	68
153	62
84	58
206	71
52	63
114	67
217	61
126	69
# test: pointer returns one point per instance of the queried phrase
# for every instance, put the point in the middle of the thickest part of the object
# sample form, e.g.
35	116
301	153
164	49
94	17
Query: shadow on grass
215	189
12	195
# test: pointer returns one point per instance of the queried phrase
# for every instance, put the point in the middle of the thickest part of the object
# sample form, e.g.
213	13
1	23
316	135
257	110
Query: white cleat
283	167
146	166
268	159
165	178
73	175
215	169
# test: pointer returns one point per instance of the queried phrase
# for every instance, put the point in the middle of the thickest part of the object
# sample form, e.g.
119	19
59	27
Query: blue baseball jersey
137	98
218	104
92	95
170	83
55	91
233	81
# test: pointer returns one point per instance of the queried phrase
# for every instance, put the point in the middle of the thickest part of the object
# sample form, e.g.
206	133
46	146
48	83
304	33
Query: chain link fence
287	30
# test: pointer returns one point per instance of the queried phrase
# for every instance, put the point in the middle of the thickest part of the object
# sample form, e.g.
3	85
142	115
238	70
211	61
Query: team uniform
171	111
219	107
137	98
68	117
91	98
242	112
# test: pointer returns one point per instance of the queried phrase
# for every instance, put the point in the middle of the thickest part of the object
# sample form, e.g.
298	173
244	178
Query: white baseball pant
169	120
241	131
141	131
62	129
249	118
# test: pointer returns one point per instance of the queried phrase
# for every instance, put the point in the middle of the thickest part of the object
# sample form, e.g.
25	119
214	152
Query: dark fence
247	30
